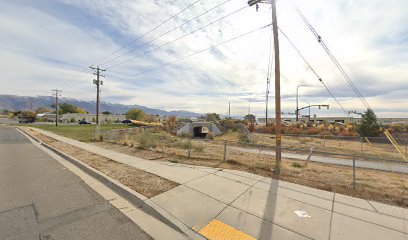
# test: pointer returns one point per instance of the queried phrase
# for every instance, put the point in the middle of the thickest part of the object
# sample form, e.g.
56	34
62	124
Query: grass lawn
83	133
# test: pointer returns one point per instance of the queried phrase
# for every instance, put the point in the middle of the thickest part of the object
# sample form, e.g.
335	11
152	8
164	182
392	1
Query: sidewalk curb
135	198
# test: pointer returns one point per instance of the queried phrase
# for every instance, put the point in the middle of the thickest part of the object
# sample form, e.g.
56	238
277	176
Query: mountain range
20	103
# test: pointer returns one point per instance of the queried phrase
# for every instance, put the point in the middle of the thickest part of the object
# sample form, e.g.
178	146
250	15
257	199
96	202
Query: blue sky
49	44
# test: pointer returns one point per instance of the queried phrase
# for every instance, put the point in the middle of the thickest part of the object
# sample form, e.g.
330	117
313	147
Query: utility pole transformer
278	112
57	93
98	82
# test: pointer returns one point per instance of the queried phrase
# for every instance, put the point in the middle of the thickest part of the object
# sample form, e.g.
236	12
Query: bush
293	130
267	130
244	138
325	133
148	141
185	135
314	131
199	148
346	133
135	114
99	138
297	165
211	135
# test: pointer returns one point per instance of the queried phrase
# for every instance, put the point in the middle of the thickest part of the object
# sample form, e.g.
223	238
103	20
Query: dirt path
147	184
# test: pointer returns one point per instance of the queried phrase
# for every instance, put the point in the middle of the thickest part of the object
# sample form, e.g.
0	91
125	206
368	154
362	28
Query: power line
176	39
313	70
171	30
144	34
83	70
203	50
334	60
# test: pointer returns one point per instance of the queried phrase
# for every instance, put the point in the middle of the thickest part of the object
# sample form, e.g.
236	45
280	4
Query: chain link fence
372	171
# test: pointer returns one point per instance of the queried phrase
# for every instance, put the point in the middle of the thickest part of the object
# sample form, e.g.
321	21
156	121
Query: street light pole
297	101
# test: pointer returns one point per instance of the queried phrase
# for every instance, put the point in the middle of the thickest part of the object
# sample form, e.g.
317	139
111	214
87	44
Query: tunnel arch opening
200	132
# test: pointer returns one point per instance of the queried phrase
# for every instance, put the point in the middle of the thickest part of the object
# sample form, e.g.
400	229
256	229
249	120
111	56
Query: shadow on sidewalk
270	211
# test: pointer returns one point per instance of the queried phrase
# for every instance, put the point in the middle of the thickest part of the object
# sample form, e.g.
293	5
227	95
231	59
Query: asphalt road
390	165
40	199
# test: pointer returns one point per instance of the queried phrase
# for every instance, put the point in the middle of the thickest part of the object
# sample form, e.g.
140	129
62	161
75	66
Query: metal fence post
189	147
354	172
309	157
225	150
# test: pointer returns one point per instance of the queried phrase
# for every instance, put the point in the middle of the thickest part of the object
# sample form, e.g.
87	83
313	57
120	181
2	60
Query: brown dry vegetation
147	184
387	187
381	186
348	146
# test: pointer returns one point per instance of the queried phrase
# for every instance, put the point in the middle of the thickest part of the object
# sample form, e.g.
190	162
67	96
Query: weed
199	148
148	141
173	161
297	165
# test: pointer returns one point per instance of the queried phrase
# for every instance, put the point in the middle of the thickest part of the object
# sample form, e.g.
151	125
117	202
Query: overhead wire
169	31
201	51
178	38
332	57
146	33
83	70
315	73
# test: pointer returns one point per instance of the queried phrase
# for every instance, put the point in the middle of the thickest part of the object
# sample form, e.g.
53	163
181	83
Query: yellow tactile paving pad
217	230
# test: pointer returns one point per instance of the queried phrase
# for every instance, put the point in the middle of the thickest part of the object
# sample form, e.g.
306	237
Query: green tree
69	108
81	110
106	112
213	117
171	122
250	118
369	126
135	114
43	110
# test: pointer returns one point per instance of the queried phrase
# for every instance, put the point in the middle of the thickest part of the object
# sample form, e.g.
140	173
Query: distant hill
16	103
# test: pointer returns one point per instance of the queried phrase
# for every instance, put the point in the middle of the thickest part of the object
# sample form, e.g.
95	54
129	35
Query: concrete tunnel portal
200	132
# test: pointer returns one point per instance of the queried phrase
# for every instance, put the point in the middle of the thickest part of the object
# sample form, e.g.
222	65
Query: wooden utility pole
98	83
57	93
229	110
278	111
277	89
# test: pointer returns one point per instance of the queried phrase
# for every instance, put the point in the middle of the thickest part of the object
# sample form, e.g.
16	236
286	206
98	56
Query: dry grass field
387	187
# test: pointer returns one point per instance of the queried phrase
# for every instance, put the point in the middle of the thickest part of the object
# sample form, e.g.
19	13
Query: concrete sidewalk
261	207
